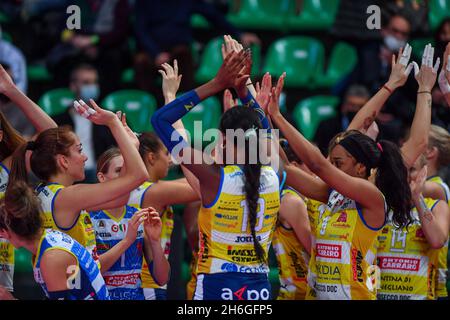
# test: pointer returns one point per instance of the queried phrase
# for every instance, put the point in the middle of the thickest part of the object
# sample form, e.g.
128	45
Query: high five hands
401	68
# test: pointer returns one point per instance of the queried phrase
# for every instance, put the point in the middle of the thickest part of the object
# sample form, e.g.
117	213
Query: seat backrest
208	112
320	7
309	112
211	60
299	56
438	10
138	106
264	7
343	60
56	101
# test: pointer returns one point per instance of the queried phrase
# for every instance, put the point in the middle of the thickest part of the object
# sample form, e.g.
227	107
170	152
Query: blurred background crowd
334	64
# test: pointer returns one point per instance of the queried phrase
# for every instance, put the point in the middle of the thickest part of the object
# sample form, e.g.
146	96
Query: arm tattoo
424	211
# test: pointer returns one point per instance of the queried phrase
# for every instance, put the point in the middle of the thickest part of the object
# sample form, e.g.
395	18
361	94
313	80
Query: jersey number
259	215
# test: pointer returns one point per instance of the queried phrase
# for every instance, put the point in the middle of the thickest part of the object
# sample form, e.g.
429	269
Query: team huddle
370	221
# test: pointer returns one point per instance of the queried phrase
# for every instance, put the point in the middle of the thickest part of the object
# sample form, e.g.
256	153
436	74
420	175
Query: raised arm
435	221
360	190
444	76
110	257
153	252
418	139
80	196
206	171
400	71
38	118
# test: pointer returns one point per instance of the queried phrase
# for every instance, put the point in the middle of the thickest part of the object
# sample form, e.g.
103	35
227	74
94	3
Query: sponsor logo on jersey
118	227
101	224
296	263
357	269
332	251
204	251
245	294
246	239
226	216
242	255
87	220
403	264
342	217
385	230
103	234
3	187
231	267
420	234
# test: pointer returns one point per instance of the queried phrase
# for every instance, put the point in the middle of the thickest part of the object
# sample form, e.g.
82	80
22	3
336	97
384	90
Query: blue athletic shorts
233	286
155	294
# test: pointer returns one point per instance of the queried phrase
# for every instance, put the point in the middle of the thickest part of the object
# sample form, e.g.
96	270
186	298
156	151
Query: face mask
89	91
393	44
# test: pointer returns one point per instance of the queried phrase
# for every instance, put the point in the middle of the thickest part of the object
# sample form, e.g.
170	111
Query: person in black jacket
94	139
163	33
355	98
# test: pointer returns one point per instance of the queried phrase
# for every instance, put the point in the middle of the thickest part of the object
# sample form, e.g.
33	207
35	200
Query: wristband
386	87
420	92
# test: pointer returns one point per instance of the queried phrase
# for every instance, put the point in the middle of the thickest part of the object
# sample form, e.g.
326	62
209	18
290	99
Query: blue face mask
89	91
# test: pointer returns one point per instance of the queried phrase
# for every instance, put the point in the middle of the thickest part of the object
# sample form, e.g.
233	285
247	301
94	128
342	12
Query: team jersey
292	260
406	260
225	240
82	229
190	287
313	207
87	282
136	200
123	279
6	248
342	253
441	275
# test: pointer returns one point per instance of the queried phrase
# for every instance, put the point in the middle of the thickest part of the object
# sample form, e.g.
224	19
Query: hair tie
31	145
380	147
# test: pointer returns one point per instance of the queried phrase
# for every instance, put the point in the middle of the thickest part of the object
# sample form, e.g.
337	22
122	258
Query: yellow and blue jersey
407	263
6	248
123	279
292	259
441	275
343	250
136	200
225	240
87	282
82	229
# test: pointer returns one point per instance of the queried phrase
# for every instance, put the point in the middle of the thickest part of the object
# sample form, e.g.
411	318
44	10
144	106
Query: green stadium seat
22	261
56	101
314	15
199	22
38	72
208	112
127	75
261	14
4	19
309	112
211	60
6	36
300	57
438	10
138	106
418	46
343	60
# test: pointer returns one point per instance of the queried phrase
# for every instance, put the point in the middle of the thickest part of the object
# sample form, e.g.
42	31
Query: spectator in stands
14	58
415	10
14	114
373	71
442	37
164	33
355	98
94	139
102	41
